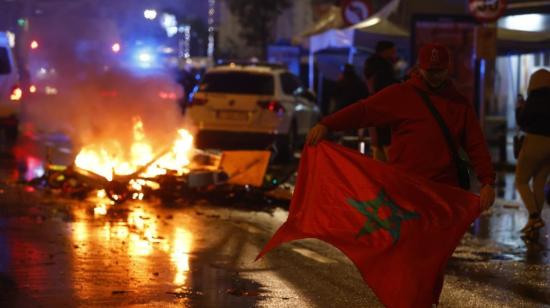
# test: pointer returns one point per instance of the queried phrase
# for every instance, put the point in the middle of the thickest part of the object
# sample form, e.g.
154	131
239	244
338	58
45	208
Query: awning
367	33
518	42
364	35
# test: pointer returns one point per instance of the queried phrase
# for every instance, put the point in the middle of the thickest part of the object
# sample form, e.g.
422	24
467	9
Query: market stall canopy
363	35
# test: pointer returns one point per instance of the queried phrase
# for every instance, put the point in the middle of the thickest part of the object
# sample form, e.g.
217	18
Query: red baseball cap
434	56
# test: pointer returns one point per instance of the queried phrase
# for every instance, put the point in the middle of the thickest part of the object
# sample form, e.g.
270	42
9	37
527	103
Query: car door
5	74
306	111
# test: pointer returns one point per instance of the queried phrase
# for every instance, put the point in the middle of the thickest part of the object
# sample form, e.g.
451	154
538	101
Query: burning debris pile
110	159
141	171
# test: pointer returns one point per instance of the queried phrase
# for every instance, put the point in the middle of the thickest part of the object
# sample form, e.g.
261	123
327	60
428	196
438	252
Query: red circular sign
487	10
355	11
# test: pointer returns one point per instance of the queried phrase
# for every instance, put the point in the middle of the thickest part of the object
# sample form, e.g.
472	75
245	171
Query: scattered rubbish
213	176
185	293
243	293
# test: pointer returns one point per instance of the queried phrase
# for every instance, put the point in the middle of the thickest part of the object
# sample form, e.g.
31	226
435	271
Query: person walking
348	89
387	51
419	145
379	74
534	158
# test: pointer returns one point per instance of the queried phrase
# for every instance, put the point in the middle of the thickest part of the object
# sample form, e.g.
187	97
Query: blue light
145	57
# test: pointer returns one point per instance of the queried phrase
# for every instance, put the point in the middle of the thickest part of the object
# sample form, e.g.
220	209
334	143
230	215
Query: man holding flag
398	222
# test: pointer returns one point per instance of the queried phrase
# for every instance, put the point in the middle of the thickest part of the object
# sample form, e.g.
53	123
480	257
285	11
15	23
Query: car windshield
5	67
238	83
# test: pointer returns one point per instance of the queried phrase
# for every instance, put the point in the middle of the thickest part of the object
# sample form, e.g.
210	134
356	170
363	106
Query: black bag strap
444	128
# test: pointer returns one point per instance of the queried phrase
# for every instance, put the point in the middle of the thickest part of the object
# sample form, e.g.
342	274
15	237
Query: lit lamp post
116	47
150	14
185	43
211	25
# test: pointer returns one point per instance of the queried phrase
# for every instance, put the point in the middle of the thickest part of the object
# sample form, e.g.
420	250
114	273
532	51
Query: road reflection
180	255
130	243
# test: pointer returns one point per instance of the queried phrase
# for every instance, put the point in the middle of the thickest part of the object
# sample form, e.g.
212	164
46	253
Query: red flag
399	230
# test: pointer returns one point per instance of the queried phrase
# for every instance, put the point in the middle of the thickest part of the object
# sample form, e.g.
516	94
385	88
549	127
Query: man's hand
486	197
316	134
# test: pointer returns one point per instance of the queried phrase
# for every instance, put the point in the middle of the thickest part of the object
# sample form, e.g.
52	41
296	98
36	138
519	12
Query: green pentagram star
392	224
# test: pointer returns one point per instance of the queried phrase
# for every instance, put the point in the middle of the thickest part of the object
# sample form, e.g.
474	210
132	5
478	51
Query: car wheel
11	133
286	145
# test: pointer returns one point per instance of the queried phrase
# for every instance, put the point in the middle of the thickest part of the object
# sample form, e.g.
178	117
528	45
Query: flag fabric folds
398	230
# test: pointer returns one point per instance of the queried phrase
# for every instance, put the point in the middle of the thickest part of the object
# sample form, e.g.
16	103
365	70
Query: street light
150	14
34	45
116	47
145	57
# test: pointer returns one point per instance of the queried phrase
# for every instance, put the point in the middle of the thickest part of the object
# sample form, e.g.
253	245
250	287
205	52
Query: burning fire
110	159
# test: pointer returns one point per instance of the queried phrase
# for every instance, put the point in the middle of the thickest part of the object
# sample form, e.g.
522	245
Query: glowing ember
110	158
102	203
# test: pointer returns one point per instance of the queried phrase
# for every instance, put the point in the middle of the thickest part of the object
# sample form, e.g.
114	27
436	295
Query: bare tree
257	19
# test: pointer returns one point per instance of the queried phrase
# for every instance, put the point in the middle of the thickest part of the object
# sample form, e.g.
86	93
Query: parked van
10	92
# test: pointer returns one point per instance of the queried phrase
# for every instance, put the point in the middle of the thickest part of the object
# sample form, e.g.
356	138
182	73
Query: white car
10	91
247	106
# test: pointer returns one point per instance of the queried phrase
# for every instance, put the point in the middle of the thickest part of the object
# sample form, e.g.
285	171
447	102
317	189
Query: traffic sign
487	10
355	11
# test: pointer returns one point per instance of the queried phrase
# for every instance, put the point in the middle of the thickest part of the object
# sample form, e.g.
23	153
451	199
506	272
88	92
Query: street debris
185	293
216	176
243	292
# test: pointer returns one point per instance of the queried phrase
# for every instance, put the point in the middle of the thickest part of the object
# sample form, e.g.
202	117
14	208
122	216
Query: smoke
97	100
103	107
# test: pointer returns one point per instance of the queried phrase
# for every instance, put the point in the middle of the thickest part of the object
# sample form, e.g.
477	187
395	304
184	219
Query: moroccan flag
399	230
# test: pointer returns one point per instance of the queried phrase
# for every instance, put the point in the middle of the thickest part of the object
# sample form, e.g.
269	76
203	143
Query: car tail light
109	93
32	89
197	101
273	106
16	93
167	95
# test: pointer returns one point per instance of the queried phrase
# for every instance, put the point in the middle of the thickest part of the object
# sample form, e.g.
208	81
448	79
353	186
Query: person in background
533	117
379	74
387	51
348	89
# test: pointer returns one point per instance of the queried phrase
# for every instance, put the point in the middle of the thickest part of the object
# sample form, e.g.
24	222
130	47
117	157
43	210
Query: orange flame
110	158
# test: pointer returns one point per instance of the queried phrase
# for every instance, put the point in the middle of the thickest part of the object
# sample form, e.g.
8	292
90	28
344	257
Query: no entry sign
355	11
487	10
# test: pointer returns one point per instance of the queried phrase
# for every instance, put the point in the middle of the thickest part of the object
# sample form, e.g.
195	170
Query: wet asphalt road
60	252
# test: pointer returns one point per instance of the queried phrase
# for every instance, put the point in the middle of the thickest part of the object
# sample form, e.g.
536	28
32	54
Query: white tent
363	35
